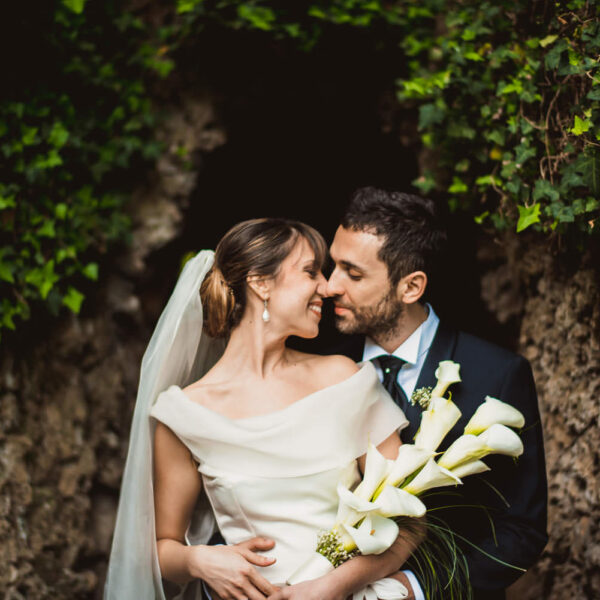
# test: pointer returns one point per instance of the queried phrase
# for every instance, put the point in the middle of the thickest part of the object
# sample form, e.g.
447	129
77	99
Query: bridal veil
178	353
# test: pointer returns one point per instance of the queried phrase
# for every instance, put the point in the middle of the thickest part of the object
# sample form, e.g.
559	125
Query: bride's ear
260	285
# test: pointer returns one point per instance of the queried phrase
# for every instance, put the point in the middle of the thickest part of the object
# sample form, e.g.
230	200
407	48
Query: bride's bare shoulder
209	388
332	368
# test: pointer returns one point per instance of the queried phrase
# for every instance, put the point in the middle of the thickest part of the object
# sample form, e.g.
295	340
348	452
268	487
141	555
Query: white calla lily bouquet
391	488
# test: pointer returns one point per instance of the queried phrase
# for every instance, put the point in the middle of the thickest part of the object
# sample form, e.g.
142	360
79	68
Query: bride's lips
316	308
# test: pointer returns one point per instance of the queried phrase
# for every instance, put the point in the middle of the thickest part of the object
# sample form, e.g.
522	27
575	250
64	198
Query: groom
384	252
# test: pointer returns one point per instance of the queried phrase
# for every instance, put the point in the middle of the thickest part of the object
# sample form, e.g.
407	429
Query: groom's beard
378	321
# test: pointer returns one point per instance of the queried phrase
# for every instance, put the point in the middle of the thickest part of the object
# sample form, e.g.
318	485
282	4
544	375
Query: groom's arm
520	529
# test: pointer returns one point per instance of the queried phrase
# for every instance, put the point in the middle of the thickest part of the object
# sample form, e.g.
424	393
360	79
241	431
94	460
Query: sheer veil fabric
178	353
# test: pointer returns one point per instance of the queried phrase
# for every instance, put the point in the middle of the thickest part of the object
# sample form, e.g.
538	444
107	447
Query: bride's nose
321	285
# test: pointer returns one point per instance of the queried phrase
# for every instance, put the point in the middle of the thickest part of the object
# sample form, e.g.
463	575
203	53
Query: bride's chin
307	334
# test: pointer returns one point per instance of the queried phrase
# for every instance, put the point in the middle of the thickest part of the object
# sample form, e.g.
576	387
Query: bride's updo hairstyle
254	247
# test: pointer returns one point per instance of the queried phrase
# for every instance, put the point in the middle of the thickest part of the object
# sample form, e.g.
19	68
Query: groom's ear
412	287
260	285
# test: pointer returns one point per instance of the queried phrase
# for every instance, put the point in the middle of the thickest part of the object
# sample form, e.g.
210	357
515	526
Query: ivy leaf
58	135
260	17
544	189
523	154
473	56
580	126
528	215
485	180
594	94
184	6
6	273
73	299
590	169
552	59
60	210
47	229
549	39
425	182
91	271
43	278
8	202
76	6
458	186
429	114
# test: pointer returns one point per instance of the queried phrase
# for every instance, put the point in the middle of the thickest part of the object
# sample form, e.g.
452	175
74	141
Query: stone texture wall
559	307
67	395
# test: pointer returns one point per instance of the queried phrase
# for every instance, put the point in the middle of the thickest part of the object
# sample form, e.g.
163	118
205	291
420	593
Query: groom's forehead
356	246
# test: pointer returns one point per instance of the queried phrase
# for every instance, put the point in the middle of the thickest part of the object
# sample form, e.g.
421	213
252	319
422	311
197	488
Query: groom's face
365	302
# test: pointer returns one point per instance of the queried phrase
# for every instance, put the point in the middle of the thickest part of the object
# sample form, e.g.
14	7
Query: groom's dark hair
409	225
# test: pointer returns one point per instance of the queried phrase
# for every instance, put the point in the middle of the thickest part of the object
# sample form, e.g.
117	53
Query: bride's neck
254	347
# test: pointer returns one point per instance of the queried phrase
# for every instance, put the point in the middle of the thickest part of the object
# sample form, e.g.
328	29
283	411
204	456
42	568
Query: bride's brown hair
254	247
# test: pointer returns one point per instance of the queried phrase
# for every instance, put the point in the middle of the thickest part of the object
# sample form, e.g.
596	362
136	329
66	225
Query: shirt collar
416	344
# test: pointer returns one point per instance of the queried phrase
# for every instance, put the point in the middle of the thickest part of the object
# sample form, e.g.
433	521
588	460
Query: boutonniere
422	397
447	373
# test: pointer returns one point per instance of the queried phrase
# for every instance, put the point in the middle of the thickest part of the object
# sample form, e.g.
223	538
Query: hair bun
217	301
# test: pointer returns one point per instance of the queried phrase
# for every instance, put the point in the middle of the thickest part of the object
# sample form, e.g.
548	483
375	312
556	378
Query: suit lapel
442	348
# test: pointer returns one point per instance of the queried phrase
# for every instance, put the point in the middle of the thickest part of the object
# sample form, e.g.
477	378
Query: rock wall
558	302
67	394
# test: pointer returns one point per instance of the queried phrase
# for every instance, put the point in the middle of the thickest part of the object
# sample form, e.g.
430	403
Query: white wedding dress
275	475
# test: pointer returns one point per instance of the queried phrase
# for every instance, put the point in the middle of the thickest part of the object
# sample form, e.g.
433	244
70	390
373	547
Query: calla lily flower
351	508
409	459
447	373
494	411
436	422
497	439
376	469
374	535
394	502
470	468
431	475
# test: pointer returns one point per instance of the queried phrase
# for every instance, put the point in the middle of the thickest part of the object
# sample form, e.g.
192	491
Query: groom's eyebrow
349	265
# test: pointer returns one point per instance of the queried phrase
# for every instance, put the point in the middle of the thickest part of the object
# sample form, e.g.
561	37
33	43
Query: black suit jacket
520	528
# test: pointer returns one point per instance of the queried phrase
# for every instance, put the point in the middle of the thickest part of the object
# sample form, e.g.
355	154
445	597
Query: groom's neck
410	319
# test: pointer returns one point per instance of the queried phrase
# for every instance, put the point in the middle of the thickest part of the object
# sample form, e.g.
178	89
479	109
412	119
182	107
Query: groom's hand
315	589
247	550
230	572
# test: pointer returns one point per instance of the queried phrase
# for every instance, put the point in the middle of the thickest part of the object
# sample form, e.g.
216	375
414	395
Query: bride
226	413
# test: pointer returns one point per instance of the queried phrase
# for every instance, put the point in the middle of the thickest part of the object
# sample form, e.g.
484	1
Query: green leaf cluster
509	103
69	141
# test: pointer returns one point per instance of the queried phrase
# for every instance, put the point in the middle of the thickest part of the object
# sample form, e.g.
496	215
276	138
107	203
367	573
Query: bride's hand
316	589
229	570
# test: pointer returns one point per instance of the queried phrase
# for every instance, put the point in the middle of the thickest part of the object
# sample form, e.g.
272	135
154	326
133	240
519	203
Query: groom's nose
334	287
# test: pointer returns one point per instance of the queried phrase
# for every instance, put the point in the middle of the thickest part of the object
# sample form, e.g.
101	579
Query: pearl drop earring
266	317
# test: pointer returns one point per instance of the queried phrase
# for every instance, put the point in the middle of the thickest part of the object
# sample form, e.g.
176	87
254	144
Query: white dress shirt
414	351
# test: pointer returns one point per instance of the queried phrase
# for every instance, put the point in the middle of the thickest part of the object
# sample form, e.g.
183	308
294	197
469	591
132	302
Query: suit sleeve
520	528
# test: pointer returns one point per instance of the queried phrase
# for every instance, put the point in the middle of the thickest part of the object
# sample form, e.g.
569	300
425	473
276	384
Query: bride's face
297	293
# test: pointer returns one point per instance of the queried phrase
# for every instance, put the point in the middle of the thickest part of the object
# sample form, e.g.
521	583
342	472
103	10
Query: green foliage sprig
69	140
508	95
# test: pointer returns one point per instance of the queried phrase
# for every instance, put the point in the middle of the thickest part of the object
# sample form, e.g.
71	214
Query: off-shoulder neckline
301	401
